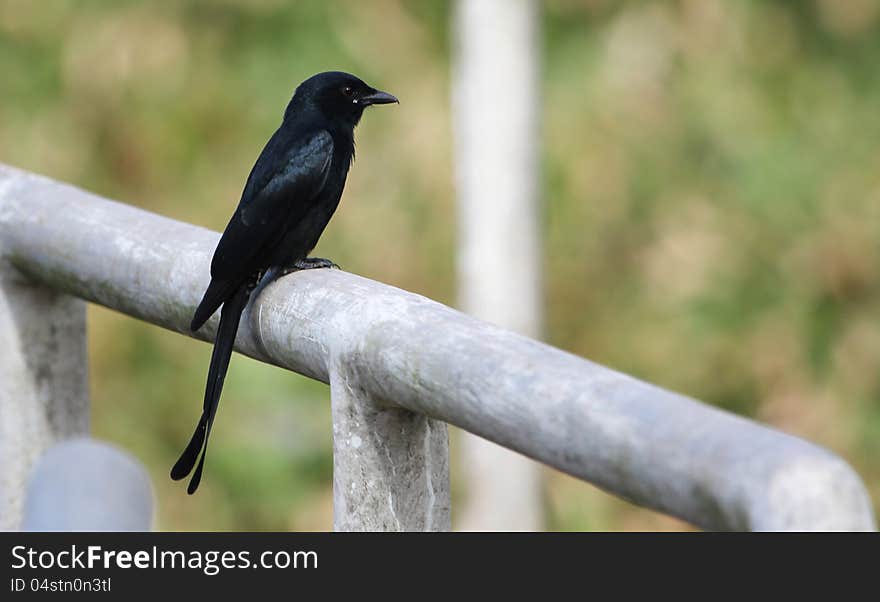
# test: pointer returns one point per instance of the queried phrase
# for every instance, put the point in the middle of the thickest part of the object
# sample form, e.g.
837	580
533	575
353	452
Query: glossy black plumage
290	196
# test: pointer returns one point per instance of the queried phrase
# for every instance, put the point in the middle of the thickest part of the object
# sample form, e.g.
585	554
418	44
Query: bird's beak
378	97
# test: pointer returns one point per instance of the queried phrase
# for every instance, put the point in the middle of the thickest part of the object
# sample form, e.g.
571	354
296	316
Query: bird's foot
309	263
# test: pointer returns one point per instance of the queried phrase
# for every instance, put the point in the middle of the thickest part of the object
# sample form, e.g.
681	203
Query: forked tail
229	319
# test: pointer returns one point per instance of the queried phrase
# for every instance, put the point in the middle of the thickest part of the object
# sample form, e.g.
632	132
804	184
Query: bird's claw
309	263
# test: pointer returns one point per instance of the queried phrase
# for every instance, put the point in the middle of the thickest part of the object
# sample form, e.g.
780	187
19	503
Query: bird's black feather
288	199
229	319
264	215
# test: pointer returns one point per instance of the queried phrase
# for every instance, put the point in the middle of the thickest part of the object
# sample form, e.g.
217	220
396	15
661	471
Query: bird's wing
278	193
270	203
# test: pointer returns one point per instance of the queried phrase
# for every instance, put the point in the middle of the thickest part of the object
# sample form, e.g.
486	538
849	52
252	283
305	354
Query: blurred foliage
712	208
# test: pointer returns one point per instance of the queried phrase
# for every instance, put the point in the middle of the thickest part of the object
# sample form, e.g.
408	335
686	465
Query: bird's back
288	199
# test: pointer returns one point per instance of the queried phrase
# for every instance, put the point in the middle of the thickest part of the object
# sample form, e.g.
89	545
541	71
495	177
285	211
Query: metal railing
399	366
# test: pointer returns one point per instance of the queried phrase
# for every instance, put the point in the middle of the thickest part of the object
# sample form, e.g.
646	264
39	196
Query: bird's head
338	96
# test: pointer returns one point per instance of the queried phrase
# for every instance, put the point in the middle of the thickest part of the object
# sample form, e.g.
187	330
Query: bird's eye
347	90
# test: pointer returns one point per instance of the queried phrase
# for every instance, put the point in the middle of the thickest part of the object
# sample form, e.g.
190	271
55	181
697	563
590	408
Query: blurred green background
711	208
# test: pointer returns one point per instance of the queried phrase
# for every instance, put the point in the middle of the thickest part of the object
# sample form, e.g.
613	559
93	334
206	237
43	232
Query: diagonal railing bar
400	365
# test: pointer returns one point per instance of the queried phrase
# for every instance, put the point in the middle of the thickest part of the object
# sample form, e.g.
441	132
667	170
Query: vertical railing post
390	465
43	380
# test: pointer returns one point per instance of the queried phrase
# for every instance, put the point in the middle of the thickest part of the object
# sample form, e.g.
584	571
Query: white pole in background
495	112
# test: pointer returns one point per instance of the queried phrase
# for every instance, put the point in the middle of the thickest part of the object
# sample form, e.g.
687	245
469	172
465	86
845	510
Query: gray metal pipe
654	447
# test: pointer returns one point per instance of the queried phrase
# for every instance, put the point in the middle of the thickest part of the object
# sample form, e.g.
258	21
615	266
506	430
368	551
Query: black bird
290	195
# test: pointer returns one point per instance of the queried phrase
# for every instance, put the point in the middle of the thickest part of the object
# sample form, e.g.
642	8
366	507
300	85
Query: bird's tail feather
216	293
229	319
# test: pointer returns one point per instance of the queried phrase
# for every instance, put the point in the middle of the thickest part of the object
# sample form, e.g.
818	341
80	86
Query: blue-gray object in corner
86	485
